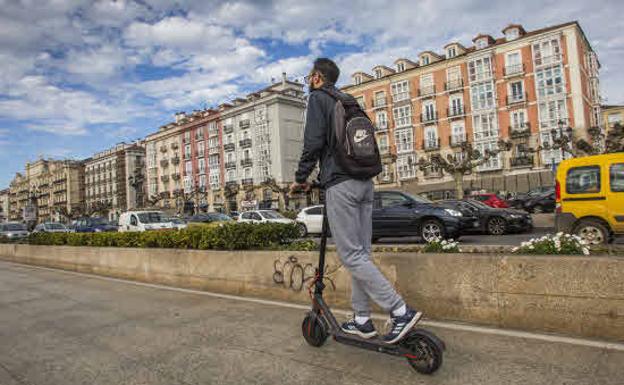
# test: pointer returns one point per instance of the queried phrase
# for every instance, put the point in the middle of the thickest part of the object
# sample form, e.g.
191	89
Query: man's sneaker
367	330
399	326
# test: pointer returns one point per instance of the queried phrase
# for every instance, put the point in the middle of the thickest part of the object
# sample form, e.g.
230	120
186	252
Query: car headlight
98	230
453	213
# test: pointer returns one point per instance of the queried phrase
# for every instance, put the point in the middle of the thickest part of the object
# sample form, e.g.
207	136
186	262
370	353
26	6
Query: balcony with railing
516	98
228	128
229	165
174	146
381	126
187	155
200	154
522	161
247	162
380	102
244	123
457	140
164	163
199	135
514	70
454	85
455	112
245	143
429	118
400	96
431	144
427	91
247	181
175	160
520	131
547	60
480	76
431	172
229	146
213	150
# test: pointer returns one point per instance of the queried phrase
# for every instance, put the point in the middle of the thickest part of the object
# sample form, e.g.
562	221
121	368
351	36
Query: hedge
226	236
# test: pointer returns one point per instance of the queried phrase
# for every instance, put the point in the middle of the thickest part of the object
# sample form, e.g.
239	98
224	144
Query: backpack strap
346	100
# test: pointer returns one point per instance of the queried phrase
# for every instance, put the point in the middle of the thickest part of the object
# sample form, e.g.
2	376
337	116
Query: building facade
49	190
114	180
611	115
217	159
518	87
4	205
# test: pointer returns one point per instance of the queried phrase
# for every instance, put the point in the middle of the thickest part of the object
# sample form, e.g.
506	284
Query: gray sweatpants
350	216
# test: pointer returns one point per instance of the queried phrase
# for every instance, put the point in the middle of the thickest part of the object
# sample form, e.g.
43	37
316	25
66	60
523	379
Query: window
518	119
360	101
202	181
583	180
214	180
357	79
431	137
247	173
392	199
200	149
456	106
188	167
212	126
549	81
480	69
512	34
551	112
482	95
187	151
426	81
494	162
229	139
547	52
616	177
549	156
187	136
382	120
516	91
428	111
424	60
406	166
213	161
453	74
383	143
485	126
482	43
378	73
458	132
400	67
202	166
400	91
402	116
230	176
451	52
314	211
404	140
188	184
513	63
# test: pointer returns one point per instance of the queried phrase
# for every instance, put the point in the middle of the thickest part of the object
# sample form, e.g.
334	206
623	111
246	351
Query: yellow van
589	194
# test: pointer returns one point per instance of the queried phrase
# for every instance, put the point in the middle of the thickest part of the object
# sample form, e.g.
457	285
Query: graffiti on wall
294	275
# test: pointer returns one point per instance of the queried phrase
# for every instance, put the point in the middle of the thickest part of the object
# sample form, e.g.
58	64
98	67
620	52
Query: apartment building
50	190
114	180
4	205
219	157
612	115
517	87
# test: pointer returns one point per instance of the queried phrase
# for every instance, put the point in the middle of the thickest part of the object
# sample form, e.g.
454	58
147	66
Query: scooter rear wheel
314	329
426	351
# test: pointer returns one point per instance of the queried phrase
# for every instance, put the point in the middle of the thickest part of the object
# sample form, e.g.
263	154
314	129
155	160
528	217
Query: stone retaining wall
580	296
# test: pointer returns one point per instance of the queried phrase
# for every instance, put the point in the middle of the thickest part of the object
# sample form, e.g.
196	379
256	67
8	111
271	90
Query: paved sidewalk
60	328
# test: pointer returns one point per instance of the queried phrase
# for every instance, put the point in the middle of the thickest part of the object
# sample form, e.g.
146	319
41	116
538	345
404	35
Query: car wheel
538	209
593	232
496	226
432	230
303	230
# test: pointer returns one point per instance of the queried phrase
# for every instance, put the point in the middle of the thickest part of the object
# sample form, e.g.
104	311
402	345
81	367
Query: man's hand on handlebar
299	187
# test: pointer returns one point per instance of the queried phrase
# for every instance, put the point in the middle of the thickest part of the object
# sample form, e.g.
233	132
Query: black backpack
355	150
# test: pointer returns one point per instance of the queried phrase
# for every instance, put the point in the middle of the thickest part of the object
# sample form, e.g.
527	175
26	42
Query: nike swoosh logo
358	140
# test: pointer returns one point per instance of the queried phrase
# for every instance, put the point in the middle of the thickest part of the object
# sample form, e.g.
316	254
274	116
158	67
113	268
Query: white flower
585	251
513	250
531	247
559	234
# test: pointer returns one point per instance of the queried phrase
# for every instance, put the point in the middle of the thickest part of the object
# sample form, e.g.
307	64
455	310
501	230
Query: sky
78	76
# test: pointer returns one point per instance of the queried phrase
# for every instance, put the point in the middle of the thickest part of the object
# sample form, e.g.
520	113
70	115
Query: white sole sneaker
406	329
361	334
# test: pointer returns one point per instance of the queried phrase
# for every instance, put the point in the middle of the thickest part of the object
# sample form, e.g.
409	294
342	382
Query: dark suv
399	214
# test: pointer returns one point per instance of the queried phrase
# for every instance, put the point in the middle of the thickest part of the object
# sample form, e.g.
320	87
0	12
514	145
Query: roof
481	35
431	53
520	27
611	107
405	60
384	67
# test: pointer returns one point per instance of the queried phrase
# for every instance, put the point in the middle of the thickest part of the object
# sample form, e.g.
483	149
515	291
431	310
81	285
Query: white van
143	221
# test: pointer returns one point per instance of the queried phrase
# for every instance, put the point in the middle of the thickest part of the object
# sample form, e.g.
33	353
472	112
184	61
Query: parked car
263	216
542	203
234	215
399	214
491	200
51	227
520	199
13	230
209	218
143	221
93	225
178	223
310	220
492	220
589	194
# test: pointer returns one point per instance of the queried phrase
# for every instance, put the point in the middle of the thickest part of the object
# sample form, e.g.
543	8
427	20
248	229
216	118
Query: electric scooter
422	348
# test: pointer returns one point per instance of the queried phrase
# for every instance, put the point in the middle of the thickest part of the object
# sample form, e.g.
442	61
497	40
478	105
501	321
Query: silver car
13	231
51	227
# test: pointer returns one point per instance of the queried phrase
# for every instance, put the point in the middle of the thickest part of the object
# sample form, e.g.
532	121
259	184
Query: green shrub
222	236
559	243
442	246
290	214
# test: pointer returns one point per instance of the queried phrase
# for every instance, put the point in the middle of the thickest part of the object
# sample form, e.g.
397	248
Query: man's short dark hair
328	69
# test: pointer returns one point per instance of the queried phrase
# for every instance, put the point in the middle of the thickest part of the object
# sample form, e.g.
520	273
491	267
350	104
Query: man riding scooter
346	168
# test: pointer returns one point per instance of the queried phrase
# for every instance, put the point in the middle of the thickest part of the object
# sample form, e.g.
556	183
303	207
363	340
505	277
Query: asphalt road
62	328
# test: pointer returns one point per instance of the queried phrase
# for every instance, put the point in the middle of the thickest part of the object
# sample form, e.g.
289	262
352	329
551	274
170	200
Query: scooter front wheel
426	351
314	329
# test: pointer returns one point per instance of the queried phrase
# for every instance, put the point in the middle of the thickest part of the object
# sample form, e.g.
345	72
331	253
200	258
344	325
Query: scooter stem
321	266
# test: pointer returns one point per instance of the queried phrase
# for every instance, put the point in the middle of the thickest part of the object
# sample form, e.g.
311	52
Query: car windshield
98	221
15	227
478	204
271	215
55	226
418	198
154	217
219	217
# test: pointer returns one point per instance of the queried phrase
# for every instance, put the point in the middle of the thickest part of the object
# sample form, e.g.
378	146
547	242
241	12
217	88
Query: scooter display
422	349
